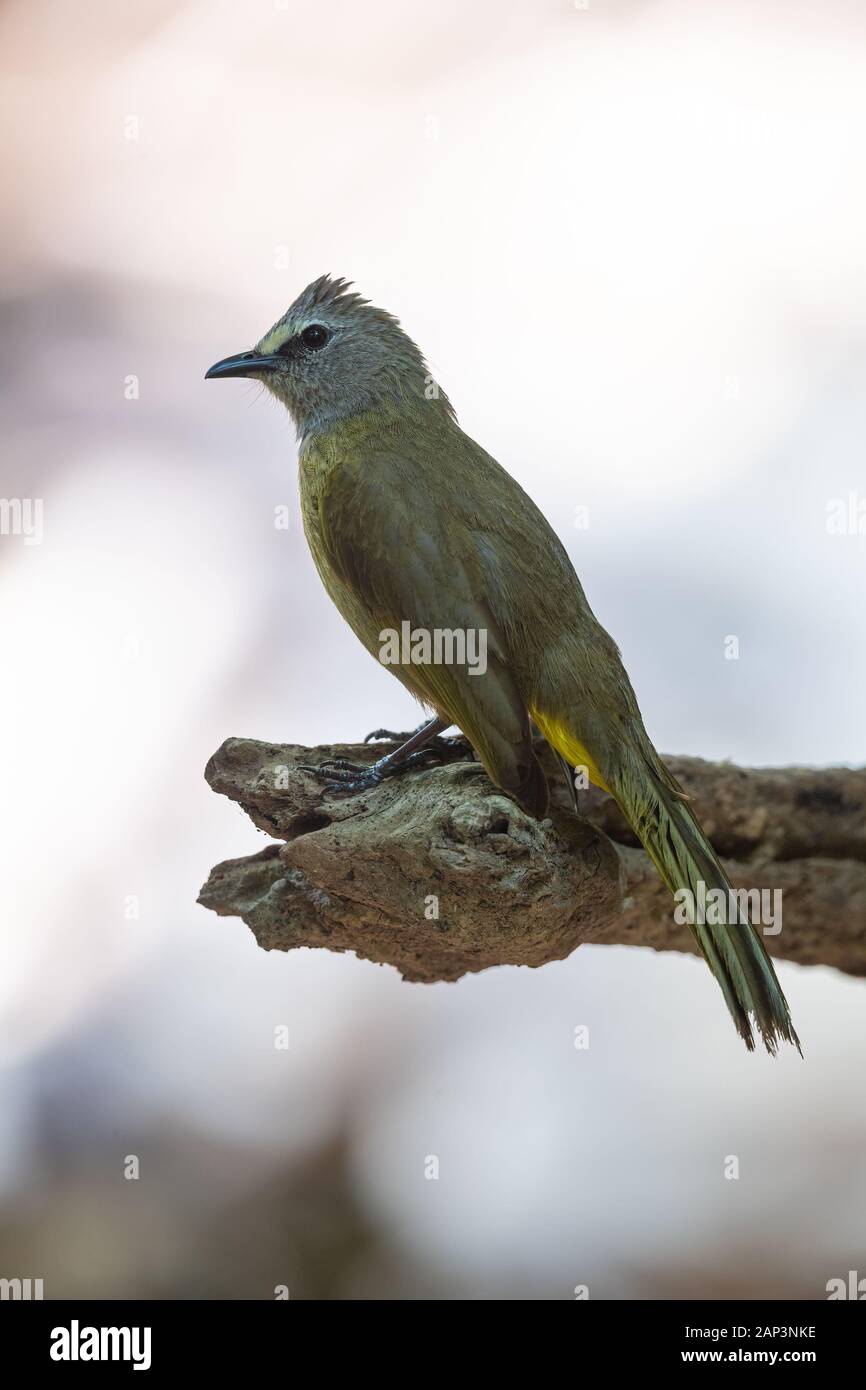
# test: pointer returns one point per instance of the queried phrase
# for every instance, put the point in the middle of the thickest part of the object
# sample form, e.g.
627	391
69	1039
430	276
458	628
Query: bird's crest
337	299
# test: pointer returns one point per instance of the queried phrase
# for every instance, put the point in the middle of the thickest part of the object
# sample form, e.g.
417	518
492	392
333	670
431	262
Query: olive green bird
409	520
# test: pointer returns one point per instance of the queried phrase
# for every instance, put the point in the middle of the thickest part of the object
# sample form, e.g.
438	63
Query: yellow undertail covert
560	737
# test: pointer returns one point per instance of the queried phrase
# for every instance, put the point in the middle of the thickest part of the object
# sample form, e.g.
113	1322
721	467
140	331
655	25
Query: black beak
242	364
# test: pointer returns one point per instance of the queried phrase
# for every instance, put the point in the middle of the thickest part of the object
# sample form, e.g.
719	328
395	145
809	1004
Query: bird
411	522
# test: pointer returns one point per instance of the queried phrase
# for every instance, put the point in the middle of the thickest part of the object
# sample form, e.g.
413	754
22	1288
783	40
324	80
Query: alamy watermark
438	646
22	516
77	1343
722	907
18	1290
853	1287
846	516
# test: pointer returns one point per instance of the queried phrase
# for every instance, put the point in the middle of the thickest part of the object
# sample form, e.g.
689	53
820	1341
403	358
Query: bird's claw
341	775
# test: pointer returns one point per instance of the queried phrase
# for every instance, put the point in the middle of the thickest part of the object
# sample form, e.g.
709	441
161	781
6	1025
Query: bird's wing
401	563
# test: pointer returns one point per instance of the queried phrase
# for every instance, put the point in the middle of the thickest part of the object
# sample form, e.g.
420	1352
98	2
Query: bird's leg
338	774
569	777
444	747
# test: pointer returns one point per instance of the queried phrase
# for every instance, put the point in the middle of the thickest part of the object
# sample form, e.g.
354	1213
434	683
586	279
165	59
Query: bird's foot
339	774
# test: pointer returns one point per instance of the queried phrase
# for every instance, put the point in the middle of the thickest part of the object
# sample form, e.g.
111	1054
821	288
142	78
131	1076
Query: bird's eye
315	336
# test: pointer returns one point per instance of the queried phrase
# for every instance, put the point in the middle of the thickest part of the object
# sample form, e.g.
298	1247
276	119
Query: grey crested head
334	355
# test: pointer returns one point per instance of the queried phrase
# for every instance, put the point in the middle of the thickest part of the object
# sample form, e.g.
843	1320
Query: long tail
659	814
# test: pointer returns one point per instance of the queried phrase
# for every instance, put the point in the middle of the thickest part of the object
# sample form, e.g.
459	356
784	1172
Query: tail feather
666	826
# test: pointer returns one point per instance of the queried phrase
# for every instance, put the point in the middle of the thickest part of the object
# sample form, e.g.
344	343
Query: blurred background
629	236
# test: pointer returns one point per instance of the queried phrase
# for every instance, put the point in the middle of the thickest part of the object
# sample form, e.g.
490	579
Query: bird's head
333	355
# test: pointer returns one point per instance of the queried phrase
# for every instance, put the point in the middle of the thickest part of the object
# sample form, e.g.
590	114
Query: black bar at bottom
68	1338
